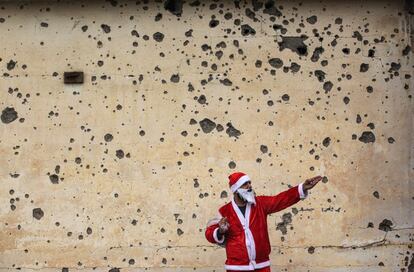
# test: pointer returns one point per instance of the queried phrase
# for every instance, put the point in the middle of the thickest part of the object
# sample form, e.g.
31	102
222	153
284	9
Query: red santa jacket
247	239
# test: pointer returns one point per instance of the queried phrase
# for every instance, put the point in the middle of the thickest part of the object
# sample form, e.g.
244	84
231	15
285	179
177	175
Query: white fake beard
247	195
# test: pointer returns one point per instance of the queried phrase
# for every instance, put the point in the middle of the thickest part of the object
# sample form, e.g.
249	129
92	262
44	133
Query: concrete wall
124	170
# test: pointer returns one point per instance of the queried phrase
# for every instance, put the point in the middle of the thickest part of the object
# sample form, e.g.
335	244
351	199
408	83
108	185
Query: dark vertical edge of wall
409	12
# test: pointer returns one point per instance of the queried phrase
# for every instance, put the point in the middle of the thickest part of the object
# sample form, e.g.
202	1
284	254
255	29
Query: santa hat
236	180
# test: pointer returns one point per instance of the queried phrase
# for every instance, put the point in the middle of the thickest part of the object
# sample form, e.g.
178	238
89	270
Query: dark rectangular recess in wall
73	77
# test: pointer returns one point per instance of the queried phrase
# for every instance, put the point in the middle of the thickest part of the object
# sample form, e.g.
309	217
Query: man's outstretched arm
289	197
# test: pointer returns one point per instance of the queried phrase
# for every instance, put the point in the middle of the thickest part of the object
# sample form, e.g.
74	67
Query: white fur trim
249	235
251	266
301	192
216	238
239	183
261	265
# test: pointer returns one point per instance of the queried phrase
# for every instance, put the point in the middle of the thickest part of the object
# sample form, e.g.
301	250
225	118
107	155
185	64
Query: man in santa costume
242	223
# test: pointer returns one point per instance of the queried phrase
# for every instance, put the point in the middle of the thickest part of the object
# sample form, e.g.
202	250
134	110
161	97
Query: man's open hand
223	225
309	183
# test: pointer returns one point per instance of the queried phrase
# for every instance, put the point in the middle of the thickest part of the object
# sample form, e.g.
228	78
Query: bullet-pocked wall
123	171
